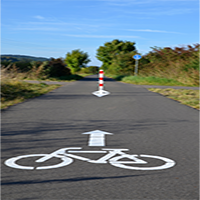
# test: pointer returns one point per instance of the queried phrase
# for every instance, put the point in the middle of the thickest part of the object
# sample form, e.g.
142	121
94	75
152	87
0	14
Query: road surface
142	122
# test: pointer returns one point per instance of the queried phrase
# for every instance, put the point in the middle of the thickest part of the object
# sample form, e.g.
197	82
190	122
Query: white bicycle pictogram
115	157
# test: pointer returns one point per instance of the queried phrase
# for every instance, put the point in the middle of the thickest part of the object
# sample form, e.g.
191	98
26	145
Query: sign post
136	57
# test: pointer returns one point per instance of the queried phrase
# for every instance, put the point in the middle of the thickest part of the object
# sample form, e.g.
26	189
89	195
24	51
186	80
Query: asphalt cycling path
141	121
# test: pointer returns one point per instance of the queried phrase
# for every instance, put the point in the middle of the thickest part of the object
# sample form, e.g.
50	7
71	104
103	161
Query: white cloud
120	2
53	25
158	7
158	12
38	29
101	36
135	2
152	31
176	11
39	17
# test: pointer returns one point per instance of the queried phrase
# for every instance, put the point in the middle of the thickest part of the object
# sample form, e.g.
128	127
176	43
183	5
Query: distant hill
16	58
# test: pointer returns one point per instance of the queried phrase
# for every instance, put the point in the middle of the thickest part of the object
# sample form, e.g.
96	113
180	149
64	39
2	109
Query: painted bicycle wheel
168	163
12	162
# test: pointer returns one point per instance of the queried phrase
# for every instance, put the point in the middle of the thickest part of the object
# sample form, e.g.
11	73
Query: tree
122	64
110	50
76	60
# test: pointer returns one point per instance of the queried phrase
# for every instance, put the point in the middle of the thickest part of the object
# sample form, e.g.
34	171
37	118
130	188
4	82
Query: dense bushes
180	63
56	68
38	69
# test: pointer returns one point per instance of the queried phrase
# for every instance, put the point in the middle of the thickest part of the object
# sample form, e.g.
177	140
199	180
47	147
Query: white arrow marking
101	93
97	138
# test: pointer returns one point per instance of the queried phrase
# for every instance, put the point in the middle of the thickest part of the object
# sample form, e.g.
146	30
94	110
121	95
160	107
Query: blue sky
51	28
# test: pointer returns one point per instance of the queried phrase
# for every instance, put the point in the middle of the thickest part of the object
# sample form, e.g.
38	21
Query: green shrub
56	68
193	64
90	70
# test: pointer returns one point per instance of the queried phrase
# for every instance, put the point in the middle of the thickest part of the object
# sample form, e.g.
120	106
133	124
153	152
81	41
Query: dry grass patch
186	97
14	91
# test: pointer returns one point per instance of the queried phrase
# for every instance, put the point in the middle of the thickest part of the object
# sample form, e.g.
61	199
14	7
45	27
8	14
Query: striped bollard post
101	80
101	92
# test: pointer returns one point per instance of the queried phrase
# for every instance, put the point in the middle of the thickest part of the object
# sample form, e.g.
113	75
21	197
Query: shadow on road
73	179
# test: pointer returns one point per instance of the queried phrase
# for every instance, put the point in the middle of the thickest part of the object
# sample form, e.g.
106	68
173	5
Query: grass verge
151	80
186	97
13	91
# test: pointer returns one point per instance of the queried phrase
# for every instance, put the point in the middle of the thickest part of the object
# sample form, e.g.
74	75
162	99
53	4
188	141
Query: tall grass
179	63
13	92
35	73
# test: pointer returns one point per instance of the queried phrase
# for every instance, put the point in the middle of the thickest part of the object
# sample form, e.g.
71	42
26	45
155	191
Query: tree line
178	63
117	59
116	56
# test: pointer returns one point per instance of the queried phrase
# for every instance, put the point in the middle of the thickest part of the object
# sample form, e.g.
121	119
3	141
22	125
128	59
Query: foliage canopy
114	51
76	60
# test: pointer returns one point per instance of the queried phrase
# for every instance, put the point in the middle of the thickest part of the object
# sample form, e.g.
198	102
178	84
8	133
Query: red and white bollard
101	80
101	92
